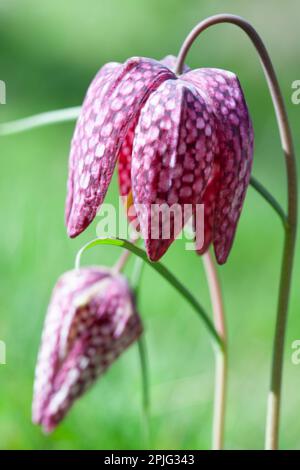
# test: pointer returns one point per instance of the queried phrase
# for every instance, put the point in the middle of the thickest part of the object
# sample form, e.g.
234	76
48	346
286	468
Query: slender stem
220	354
145	387
122	261
274	401
136	276
270	199
164	272
38	120
136	283
120	264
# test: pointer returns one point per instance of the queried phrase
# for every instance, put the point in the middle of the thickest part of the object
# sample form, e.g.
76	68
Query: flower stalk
136	283
268	197
220	353
141	343
143	356
274	400
145	388
40	120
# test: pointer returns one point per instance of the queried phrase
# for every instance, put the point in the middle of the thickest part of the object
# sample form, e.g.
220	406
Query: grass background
49	52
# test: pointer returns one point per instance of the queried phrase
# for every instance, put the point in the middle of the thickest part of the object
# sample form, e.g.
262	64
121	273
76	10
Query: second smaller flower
91	320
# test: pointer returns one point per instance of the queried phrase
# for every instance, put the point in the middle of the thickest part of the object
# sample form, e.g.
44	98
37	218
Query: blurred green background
49	52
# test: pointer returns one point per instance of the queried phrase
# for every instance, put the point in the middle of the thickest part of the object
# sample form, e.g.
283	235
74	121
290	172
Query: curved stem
39	120
269	198
221	354
273	412
164	272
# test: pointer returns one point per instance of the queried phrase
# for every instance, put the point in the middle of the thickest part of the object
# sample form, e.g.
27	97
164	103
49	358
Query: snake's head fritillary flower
180	140
91	320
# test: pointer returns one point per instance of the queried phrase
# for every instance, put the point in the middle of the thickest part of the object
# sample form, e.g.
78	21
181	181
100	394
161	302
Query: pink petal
109	110
70	285
125	153
209	202
173	153
235	136
95	347
82	140
124	172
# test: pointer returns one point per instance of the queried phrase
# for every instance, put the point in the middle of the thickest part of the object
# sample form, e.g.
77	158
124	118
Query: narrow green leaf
163	271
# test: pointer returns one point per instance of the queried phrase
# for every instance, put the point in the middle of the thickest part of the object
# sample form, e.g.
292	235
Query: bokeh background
49	52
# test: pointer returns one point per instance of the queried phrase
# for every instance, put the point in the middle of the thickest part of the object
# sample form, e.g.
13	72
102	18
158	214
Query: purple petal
82	141
125	154
173	153
68	287
124	172
209	203
235	136
108	112
108	327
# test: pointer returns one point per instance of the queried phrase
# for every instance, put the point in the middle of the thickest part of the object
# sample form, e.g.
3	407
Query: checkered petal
113	101
68	287
124	173
85	138
125	154
173	154
235	137
204	228
96	321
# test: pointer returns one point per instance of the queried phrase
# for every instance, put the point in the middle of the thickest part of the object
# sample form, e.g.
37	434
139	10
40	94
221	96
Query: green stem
136	276
136	282
39	120
220	354
274	401
164	272
145	387
269	198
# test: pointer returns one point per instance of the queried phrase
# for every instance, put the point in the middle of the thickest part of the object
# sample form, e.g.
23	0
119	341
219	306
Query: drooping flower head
91	320
180	141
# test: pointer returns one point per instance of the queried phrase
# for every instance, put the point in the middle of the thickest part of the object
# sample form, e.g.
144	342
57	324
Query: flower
180	140
91	320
